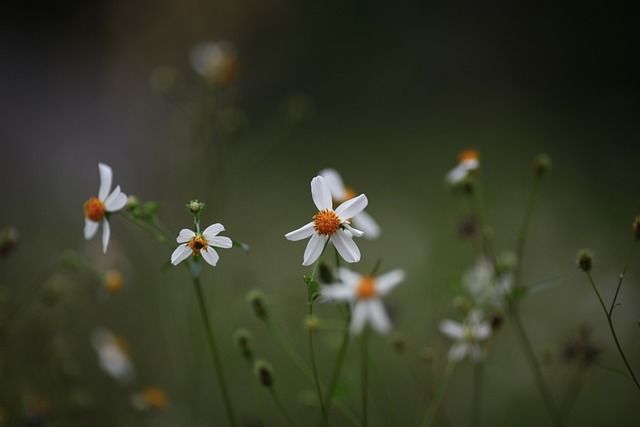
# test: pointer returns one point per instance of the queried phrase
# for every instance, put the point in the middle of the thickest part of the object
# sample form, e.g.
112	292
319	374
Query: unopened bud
195	206
132	203
541	165
585	260
112	281
257	302
9	238
311	323
243	340
636	227
264	372
399	344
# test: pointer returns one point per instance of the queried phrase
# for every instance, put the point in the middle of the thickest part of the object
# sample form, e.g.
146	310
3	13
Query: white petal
353	231
378	316
90	228
337	292
358	317
387	281
185	235
457	174
210	255
321	193
181	253
470	164
106	234
363	221
338	191
352	207
220	242
314	249
452	329
115	201
346	247
458	351
105	181
349	278
301	233
482	331
212	230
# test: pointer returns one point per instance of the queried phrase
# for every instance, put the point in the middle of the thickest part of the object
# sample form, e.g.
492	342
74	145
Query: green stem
338	367
157	234
435	403
613	331
624	271
478	371
364	350
281	407
522	234
214	352
573	389
315	369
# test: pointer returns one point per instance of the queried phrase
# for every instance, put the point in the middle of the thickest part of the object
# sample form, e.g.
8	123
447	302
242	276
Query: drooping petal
358	318
452	329
185	235
301	233
352	207
336	292
105	181
115	201
346	247
349	278
212	230
321	193
220	242
378	316
90	228
210	255
181	253
106	234
353	231
363	221
338	191
458	351
387	281
314	249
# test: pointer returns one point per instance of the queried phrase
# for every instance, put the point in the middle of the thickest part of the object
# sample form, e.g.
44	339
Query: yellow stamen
94	209
197	244
367	288
326	222
469	154
155	397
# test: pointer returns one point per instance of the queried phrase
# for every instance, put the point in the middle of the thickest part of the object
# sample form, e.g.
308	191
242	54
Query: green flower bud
541	165
585	260
195	206
257	302
264	372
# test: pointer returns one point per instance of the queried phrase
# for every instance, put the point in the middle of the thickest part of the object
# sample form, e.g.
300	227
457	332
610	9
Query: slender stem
478	377
338	367
613	332
315	369
573	389
624	271
435	403
281	407
543	387
214	352
522	234
378	385
364	344
157	234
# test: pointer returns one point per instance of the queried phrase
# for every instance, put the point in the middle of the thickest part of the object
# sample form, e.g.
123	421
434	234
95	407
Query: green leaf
151	208
617	371
313	290
545	284
307	278
241	245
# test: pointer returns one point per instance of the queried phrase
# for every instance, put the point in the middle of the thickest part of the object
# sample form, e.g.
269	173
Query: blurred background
388	94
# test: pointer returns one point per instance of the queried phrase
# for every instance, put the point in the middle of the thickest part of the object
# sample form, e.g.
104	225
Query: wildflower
468	160
330	225
112	281
200	243
468	336
113	355
364	293
340	194
217	62
150	398
97	209
485	287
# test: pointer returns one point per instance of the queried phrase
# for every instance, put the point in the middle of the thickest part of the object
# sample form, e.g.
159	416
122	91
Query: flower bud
636	227
257	302
9	238
195	206
132	203
399	343
264	372
311	323
541	165
243	340
585	260
112	281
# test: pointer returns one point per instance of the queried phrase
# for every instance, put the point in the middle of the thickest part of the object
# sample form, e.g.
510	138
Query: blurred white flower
217	62
341	193
330	225
200	244
468	160
113	355
364	293
468	336
97	209
484	287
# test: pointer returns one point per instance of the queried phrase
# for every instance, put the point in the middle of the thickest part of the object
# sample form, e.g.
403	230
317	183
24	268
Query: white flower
113	355
216	62
200	244
468	161
341	193
364	293
330	225
96	209
468	336
484	287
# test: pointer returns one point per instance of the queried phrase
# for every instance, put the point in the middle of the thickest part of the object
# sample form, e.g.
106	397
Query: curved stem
214	352
478	371
522	234
435	403
624	271
336	370
315	369
281	407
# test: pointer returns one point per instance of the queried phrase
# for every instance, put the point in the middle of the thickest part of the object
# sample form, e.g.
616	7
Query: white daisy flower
97	209
200	244
341	193
468	336
364	293
113	355
484	287
468	160
217	62
330	225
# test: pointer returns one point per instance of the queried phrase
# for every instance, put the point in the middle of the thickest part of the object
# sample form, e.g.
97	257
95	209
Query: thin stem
522	234
541	383
338	367
573	389
624	271
315	369
281	407
364	344
435	403
214	352
613	331
478	377
157	234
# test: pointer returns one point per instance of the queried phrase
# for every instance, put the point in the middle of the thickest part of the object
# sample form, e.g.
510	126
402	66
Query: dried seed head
257	302
585	260
264	372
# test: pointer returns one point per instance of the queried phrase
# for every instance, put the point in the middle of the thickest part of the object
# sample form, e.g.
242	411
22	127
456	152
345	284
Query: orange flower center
155	397
94	209
113	281
469	154
367	288
197	244
349	194
326	222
